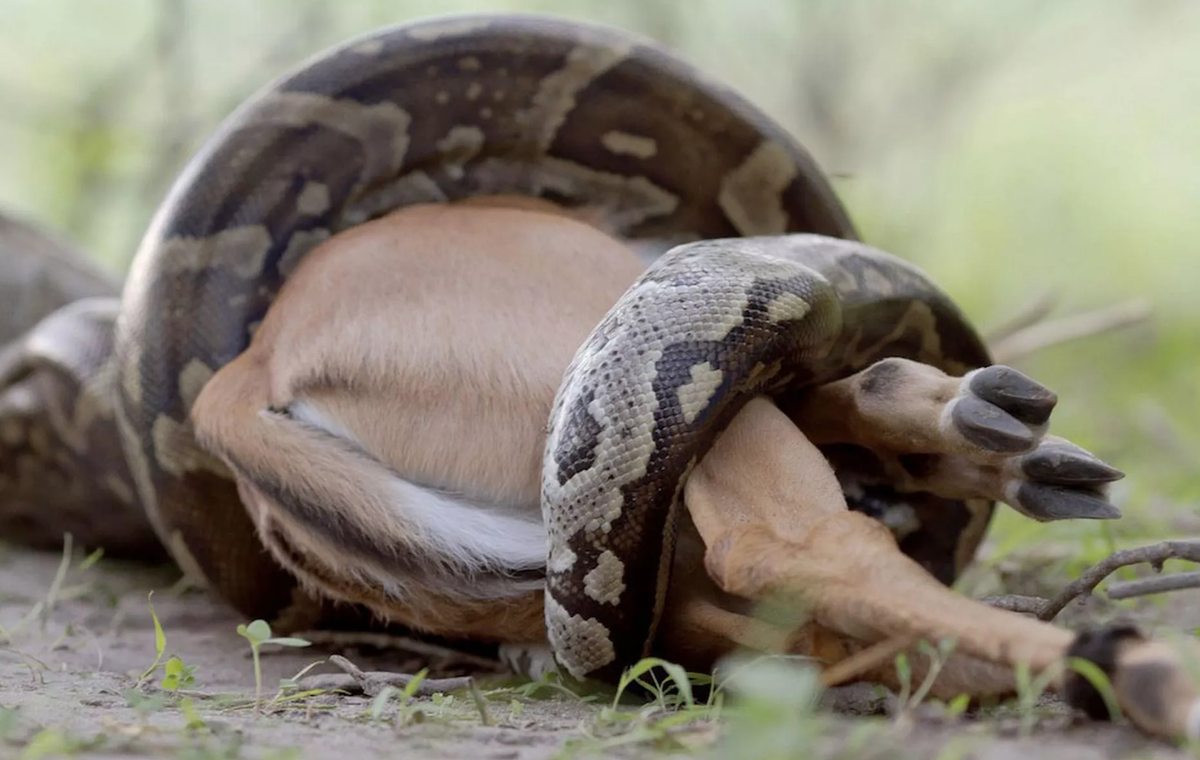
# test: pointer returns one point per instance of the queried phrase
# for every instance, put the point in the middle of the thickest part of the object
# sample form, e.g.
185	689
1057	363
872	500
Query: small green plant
1030	690
290	691
160	643
673	693
10	721
909	698
43	608
194	721
38	742
56	585
145	704
772	709
406	712
50	742
904	676
673	706
547	687
480	701
177	674
957	706
258	633
380	702
1099	681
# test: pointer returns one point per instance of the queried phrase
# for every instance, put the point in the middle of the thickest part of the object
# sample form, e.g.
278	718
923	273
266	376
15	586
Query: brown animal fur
434	339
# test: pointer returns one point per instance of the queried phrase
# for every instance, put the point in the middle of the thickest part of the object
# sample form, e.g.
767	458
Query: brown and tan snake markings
524	330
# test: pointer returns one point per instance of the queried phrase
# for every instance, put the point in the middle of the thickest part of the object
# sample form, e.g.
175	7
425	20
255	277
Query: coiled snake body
451	108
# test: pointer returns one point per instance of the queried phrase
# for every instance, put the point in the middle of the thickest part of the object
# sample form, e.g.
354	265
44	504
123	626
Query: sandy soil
66	674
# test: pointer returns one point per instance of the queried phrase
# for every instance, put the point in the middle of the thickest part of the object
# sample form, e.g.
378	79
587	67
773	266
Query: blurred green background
1013	149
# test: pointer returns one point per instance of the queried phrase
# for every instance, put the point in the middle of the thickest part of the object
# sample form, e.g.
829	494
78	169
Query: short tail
329	485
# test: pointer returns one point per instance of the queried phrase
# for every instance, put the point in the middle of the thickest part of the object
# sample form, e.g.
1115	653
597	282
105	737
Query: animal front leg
775	525
983	435
770	512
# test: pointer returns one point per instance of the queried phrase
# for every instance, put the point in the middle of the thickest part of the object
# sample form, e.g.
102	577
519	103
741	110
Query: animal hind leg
353	530
983	435
701	625
775	526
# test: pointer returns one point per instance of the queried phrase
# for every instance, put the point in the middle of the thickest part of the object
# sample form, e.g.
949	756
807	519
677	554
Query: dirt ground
77	646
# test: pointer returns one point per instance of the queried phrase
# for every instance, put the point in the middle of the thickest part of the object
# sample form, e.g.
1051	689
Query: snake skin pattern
455	107
42	274
58	457
709	326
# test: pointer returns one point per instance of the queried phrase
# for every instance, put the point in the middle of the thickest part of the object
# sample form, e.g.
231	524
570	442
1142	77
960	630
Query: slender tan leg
699	628
775	526
959	674
982	435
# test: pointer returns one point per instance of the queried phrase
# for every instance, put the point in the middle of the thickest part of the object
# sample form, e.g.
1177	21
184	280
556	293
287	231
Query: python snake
454	107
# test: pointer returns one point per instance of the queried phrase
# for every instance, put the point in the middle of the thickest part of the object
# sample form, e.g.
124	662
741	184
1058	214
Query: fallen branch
1026	605
1155	585
370	683
1154	555
1042	335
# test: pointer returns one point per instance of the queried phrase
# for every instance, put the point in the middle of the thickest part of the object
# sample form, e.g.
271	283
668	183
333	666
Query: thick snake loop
708	326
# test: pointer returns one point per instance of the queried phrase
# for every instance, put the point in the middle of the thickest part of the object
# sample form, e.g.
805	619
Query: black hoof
1020	396
1098	647
1046	502
1067	464
989	427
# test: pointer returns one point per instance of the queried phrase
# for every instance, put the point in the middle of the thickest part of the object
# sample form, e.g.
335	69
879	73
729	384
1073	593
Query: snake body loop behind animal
432	111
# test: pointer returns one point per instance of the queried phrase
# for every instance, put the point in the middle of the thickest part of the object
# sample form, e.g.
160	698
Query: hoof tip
989	427
1047	503
1099	647
1020	395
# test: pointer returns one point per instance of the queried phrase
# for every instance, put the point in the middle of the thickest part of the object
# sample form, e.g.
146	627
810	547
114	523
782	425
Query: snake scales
442	110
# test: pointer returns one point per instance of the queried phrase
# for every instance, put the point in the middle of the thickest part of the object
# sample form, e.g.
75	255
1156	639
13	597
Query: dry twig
1154	585
370	683
1028	316
1154	555
1034	338
425	649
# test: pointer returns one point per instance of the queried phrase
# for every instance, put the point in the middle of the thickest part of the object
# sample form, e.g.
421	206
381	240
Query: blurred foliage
1011	149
